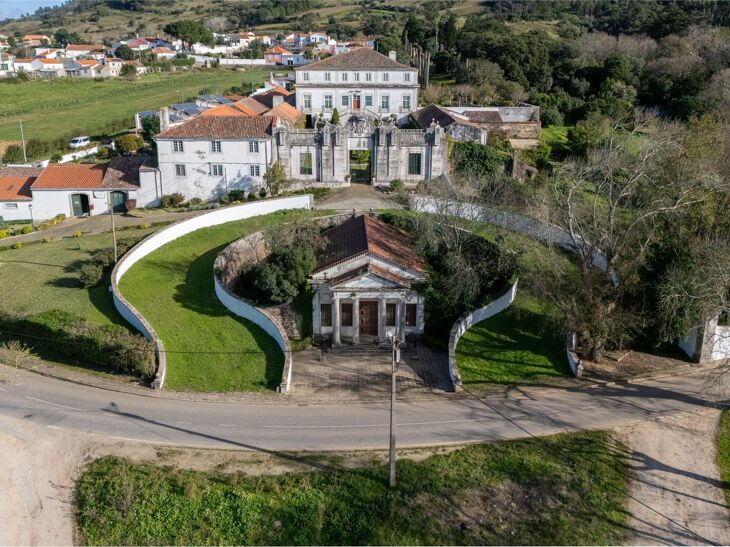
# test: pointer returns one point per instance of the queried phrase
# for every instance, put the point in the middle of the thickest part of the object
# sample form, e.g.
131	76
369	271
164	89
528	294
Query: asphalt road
442	420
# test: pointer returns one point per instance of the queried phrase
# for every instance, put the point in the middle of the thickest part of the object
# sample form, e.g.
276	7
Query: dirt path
674	469
361	197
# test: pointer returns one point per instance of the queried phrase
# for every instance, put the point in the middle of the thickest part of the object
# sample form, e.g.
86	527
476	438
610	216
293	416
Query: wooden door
118	200
356	102
368	318
79	204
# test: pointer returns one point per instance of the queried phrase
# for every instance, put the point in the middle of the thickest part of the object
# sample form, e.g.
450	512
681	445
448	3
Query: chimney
164	118
391	54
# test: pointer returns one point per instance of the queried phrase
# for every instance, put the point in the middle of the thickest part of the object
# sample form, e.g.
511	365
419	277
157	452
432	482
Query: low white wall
263	319
721	343
468	320
173	232
79	154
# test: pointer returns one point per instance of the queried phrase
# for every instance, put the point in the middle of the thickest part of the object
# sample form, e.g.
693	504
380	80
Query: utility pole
114	231
22	139
395	361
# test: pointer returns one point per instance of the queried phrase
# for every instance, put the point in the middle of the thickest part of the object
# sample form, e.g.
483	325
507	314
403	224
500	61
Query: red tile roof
276	49
224	110
84	47
366	234
15	188
285	111
61	176
361	58
221	127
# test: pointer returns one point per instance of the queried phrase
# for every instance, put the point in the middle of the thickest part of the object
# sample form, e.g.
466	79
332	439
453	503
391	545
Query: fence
173	232
468	320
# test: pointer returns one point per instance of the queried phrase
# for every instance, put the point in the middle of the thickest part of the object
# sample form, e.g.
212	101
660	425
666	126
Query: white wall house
15	196
209	156
361	79
7	66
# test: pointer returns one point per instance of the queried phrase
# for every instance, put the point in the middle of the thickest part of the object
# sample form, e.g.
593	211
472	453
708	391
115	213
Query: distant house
164	53
35	40
293	59
84	50
25	65
113	66
274	55
139	67
47	53
7	66
85	68
48	68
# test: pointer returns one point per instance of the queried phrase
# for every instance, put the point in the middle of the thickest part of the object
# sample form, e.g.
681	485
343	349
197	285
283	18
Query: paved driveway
364	372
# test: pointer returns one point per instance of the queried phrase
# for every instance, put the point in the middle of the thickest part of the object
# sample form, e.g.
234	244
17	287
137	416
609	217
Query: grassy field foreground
56	108
209	348
516	492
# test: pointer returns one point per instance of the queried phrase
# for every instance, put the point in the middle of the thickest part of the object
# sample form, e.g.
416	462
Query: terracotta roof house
15	195
225	110
364	283
220	127
361	58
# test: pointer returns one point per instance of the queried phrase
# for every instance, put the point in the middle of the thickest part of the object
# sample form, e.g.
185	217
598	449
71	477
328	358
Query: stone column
336	321
355	321
381	319
400	318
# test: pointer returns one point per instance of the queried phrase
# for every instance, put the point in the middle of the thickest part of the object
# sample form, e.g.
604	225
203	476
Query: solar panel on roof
146	114
191	109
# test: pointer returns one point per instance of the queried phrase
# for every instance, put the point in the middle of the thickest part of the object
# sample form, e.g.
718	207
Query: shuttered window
325	315
346	314
305	163
390	315
411	310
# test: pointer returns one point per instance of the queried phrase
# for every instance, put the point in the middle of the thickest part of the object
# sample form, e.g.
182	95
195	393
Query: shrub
17	245
262	192
90	274
251	196
26	230
111	346
551	116
3	234
76	234
237	195
13	154
477	159
172	200
397	185
275	179
128	143
145	225
103	153
335	120
281	277
195	201
55	158
223	199
46	240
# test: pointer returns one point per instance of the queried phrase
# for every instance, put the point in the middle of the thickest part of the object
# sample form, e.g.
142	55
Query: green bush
251	196
90	273
280	278
3	234
17	245
128	143
172	200
26	230
195	201
55	158
262	192
237	195
397	185
110	346
477	159
13	154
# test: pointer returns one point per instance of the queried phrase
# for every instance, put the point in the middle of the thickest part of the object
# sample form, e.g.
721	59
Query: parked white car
79	142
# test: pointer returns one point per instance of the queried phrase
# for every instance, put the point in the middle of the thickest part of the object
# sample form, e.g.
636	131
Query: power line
596	477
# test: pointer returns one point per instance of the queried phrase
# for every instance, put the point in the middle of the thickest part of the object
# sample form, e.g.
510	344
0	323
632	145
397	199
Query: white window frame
385	102
217	170
343	76
180	170
327	76
327	99
307	101
215	147
368	76
178	146
406	76
368	99
406	99
386	76
253	147
305	76
357	76
254	170
345	101
10	205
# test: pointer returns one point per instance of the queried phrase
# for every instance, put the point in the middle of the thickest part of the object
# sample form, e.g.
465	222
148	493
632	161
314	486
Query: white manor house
215	153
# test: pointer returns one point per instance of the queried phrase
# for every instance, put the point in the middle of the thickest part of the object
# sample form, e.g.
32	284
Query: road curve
448	419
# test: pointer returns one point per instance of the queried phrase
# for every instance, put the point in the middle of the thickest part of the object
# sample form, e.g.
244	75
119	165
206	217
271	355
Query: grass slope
210	348
517	492
516	345
39	277
55	108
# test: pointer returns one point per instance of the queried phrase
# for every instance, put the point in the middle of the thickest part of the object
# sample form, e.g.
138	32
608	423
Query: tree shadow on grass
197	294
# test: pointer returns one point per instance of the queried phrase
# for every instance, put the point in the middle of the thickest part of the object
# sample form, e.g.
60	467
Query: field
211	349
40	277
507	493
57	108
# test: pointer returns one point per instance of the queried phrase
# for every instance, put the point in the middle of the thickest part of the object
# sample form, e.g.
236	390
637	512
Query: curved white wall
173	232
465	322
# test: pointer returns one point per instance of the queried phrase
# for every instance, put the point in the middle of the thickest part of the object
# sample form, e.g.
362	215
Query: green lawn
56	108
512	493
723	451
210	348
516	345
40	277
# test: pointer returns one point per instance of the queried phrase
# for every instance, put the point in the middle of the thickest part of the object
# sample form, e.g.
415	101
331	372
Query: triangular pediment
367	281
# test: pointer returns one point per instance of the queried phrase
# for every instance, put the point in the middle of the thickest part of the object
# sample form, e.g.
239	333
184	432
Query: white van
79	142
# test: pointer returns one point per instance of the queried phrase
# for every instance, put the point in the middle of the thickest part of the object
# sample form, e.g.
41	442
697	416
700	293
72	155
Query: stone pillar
336	321
381	319
355	321
400	318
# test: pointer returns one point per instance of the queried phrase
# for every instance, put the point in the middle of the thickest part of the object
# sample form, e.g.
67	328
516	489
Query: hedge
109	346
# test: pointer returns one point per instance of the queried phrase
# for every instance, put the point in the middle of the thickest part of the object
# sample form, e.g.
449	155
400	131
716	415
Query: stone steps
287	318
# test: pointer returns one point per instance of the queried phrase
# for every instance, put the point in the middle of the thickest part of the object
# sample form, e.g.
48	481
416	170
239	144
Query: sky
15	8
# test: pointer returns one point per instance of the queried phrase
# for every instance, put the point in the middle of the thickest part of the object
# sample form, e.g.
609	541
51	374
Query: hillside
96	20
